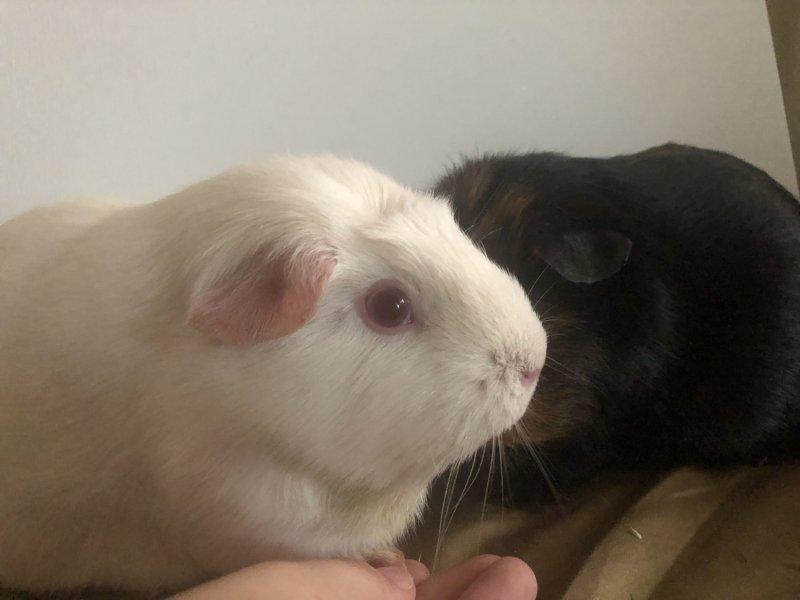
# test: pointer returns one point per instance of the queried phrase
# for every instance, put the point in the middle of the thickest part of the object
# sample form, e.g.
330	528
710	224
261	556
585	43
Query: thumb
400	578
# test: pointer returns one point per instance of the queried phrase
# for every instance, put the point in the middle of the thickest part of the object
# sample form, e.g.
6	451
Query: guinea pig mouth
543	422
513	436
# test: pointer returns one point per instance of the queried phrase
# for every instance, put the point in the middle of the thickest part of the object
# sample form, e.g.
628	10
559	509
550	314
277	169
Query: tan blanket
685	536
690	535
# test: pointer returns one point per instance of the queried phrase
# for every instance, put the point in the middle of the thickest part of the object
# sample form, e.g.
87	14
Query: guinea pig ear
263	298
586	256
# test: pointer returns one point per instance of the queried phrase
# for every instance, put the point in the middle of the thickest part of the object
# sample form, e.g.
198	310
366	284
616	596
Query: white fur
137	452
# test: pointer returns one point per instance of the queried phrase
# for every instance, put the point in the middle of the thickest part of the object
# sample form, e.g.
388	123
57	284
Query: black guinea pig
668	282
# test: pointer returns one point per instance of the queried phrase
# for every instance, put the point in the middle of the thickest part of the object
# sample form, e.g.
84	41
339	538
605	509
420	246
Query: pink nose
529	378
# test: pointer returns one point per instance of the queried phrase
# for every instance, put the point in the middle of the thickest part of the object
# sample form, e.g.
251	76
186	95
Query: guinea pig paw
386	557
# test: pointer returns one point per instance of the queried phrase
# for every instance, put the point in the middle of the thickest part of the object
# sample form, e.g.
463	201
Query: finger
330	579
508	578
386	557
418	571
451	583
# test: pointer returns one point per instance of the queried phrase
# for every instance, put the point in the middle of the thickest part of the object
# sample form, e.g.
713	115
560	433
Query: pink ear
263	299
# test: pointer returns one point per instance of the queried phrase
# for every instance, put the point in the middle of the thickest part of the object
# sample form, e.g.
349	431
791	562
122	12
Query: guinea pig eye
387	308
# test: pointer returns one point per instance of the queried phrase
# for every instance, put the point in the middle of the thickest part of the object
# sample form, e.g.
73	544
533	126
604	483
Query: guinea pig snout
529	378
516	370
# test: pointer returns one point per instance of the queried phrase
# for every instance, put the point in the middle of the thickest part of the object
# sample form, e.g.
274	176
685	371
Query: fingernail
398	576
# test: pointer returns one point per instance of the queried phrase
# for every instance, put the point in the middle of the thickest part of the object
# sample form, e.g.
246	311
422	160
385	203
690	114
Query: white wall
136	98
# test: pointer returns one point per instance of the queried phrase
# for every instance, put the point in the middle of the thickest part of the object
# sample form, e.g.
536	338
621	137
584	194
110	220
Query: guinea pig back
668	282
271	364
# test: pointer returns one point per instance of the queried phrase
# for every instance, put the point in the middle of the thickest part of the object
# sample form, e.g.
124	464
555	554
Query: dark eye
387	308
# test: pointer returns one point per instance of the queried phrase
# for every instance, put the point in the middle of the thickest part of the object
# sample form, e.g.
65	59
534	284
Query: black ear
586	256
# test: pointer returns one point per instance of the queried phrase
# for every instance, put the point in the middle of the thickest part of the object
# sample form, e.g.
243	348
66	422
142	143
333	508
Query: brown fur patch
467	185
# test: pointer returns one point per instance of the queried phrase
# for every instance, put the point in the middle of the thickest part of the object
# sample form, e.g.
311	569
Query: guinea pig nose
528	378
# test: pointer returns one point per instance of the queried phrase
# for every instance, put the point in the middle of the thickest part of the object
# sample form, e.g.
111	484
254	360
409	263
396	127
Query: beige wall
135	99
784	17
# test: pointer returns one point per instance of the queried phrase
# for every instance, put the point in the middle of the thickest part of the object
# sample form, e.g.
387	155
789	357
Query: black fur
669	284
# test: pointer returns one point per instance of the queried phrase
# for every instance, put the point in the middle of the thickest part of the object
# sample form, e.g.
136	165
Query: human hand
485	577
481	578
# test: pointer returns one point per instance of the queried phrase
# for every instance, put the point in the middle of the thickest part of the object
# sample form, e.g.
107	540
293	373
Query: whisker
448	492
493	231
563	369
486	498
540	298
472	476
544	319
481	213
503	478
449	509
547	312
530	289
560	364
560	370
549	478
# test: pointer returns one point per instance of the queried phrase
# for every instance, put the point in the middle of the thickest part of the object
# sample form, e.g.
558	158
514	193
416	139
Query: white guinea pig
273	363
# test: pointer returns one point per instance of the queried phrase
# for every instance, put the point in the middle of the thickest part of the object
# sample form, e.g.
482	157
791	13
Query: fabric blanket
687	535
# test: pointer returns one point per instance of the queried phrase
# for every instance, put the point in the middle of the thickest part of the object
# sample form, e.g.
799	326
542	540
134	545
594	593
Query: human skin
485	577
